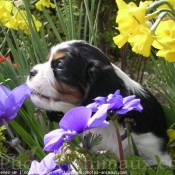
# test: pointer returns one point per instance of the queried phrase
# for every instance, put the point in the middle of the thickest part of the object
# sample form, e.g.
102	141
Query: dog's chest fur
75	74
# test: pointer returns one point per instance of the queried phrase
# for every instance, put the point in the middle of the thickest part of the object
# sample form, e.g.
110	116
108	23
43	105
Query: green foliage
102	160
91	140
136	166
70	21
2	139
24	158
163	82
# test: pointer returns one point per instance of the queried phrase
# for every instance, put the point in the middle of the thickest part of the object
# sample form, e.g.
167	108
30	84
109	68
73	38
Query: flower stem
88	163
8	129
157	4
156	13
129	138
122	165
159	19
150	16
20	148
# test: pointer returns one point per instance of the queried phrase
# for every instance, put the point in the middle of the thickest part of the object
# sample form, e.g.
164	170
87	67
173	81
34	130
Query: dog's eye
57	64
60	65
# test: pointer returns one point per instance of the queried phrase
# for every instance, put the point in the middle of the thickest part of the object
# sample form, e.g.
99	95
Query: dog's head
75	73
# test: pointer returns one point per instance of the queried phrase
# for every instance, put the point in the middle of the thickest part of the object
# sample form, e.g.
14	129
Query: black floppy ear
93	73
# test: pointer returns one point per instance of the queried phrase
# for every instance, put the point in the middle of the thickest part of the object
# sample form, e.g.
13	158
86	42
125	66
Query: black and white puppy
76	73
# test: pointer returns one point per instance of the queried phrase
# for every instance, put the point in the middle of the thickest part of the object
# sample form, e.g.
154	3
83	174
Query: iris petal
93	106
4	93
16	98
47	164
98	119
76	119
117	92
127	99
10	106
101	99
122	111
132	103
20	93
33	168
117	102
11	101
54	139
2	109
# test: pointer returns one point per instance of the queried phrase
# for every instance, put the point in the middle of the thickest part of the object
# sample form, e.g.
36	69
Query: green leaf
163	169
170	118
135	165
49	19
136	153
28	139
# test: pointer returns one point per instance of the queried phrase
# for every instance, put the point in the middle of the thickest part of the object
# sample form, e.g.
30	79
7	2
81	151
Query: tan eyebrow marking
55	55
58	55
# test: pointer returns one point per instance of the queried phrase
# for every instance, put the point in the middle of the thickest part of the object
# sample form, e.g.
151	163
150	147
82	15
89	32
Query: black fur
85	65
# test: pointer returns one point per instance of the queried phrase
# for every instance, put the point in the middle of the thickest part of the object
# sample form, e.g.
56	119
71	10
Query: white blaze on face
44	95
47	92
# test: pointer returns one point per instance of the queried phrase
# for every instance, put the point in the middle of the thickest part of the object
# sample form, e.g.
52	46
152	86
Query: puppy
76	73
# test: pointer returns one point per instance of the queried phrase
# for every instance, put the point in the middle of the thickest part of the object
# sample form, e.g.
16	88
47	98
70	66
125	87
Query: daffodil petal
171	134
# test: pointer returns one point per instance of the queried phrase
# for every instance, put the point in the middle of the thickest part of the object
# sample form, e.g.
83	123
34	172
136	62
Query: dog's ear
92	72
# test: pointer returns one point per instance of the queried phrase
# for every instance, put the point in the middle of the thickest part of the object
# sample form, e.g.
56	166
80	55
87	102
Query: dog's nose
32	73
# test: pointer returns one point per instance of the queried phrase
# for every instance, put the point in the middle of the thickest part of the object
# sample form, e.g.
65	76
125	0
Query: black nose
32	73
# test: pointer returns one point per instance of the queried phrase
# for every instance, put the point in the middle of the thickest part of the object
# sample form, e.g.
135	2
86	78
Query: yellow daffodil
5	10
171	135
5	6
23	24
130	17
121	39
141	41
165	34
19	21
45	3
172	2
165	40
169	55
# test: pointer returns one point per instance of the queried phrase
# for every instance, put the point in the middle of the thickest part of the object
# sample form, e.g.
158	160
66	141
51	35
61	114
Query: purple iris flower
74	122
47	166
117	103
11	101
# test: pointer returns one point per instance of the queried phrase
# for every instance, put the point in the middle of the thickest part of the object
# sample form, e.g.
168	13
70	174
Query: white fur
43	83
61	46
130	84
147	144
